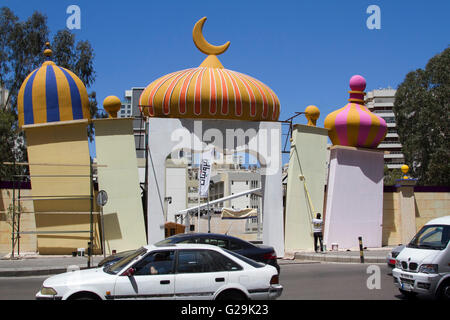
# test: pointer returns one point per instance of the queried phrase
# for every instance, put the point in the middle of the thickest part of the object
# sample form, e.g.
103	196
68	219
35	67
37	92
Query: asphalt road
315	281
335	281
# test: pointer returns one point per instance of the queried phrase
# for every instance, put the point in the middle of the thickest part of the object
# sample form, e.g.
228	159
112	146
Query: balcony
394	156
389	144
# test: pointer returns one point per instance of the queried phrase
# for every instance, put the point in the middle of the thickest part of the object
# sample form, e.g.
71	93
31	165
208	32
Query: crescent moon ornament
203	45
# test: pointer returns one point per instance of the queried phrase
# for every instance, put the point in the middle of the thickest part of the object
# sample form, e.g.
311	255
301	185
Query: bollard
361	250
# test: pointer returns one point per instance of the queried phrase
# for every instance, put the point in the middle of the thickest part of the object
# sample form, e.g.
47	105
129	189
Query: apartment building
381	102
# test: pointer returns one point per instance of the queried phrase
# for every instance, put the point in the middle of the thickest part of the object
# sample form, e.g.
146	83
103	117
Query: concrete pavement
371	255
32	264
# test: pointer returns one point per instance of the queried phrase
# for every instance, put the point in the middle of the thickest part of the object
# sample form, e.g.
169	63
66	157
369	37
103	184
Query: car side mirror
129	273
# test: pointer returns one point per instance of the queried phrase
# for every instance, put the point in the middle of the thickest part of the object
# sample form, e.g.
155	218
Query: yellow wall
28	242
429	205
118	176
61	151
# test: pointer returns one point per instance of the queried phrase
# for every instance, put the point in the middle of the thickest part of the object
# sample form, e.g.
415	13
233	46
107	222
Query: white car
423	267
181	271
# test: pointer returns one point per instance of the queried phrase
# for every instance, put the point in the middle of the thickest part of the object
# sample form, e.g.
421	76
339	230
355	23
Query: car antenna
226	233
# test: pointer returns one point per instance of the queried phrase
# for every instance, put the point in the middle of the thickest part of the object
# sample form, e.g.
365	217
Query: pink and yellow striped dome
209	91
354	125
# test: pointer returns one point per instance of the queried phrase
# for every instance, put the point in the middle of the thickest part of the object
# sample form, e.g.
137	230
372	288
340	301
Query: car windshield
251	262
117	266
165	242
431	237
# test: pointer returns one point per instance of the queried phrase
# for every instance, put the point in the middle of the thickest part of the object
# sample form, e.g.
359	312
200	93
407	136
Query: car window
166	241
197	261
431	237
219	262
161	262
189	262
189	240
119	265
222	243
251	262
235	245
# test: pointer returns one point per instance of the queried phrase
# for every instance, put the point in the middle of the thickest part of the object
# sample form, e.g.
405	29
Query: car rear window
249	261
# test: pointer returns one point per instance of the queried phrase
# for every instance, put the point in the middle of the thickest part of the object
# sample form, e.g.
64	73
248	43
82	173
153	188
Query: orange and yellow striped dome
209	91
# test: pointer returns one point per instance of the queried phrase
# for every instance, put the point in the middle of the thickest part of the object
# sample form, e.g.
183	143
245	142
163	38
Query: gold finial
312	113
48	52
405	170
204	46
112	105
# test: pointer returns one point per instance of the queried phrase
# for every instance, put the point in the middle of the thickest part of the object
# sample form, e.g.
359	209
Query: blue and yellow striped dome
52	93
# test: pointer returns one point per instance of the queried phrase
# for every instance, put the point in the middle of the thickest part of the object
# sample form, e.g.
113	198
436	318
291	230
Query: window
431	237
215	242
234	245
198	261
161	262
190	240
251	262
116	267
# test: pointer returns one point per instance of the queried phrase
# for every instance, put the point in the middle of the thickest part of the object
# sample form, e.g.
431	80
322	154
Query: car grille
412	267
408	281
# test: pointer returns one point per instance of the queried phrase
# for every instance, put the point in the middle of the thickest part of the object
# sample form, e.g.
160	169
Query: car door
152	278
200	273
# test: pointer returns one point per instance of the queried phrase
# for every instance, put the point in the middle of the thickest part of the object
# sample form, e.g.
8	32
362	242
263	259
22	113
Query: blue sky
305	50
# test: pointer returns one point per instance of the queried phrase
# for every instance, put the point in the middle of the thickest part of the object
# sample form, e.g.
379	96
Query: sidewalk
35	265
371	255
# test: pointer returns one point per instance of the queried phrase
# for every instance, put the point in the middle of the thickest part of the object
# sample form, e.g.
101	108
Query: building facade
226	179
381	102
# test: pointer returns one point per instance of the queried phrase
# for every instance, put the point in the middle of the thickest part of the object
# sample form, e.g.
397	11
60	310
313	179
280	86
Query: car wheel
443	292
234	295
84	295
408	294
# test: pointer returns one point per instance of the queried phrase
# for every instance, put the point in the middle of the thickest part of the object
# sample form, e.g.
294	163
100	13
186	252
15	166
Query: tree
391	176
421	109
21	51
21	46
11	143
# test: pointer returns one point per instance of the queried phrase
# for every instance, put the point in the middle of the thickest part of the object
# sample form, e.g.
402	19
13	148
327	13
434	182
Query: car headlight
46	291
398	264
428	268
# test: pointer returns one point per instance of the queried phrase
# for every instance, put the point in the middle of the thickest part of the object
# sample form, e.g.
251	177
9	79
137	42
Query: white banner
205	173
230	213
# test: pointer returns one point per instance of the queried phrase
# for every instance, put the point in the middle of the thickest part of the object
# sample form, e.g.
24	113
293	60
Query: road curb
337	258
36	271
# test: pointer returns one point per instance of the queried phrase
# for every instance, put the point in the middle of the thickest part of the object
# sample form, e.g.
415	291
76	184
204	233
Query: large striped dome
206	92
354	125
52	93
209	92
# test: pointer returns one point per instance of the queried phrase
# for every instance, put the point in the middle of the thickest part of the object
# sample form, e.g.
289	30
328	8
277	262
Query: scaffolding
289	123
17	199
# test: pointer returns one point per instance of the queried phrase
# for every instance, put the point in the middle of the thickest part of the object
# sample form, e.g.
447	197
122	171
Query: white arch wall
262	139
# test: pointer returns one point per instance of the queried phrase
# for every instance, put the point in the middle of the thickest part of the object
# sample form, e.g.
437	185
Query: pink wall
355	198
